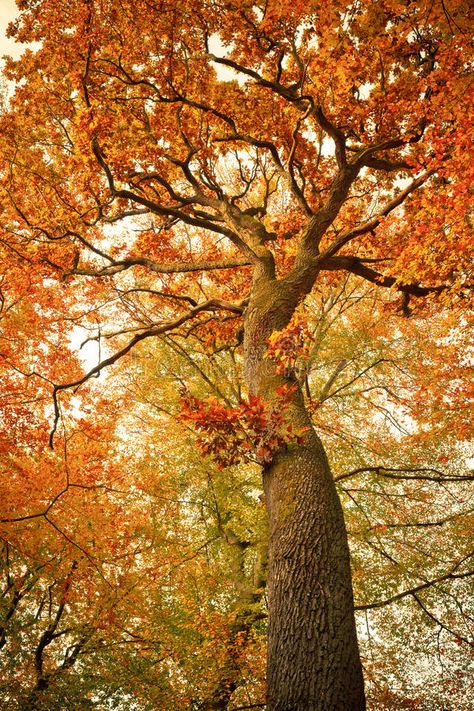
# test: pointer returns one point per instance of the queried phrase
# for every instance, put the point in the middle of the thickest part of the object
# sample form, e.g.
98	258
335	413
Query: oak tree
202	169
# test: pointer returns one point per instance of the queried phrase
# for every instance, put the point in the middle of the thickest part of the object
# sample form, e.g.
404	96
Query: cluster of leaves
252	431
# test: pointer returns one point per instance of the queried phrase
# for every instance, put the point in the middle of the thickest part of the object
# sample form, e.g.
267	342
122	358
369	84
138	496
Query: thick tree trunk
313	657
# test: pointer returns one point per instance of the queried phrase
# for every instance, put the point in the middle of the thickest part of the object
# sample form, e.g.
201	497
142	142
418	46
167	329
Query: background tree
136	175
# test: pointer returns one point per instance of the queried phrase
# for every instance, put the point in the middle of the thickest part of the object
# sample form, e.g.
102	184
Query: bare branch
155	292
412	591
178	268
365	155
435	619
429	474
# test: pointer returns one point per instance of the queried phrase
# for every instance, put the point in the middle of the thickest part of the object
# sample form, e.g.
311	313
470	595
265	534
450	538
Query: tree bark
313	659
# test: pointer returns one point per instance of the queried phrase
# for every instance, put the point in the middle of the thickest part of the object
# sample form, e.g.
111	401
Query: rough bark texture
313	658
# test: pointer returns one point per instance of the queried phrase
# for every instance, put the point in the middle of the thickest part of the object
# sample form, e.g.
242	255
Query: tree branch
396	473
359	267
178	268
412	591
456	635
171	211
155	330
372	224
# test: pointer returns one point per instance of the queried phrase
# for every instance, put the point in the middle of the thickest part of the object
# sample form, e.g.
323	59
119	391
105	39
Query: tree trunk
313	658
